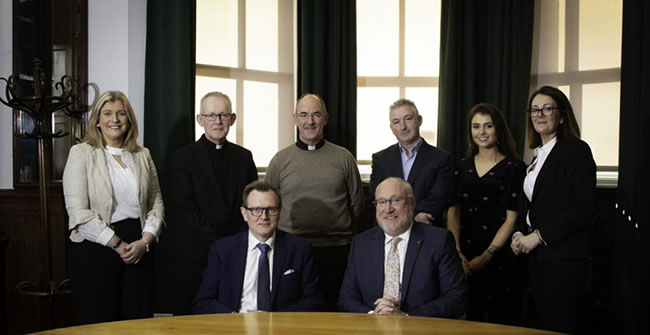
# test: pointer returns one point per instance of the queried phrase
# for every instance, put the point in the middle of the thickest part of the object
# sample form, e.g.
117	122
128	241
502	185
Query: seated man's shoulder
430	230
369	234
292	239
226	243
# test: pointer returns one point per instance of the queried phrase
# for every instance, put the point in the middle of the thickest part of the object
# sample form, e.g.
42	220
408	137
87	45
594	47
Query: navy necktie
263	280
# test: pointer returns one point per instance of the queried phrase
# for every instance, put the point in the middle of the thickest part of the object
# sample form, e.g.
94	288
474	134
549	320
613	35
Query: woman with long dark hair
488	185
558	208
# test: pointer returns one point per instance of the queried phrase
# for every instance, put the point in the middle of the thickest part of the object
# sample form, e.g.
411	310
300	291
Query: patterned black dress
495	292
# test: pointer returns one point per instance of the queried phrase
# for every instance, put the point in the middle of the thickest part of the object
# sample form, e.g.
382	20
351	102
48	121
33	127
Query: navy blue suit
433	282
294	282
430	177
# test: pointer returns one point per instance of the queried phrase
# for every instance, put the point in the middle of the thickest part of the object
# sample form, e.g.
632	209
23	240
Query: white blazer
88	190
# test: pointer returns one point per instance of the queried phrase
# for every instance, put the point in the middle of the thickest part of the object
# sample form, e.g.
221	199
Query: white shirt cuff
152	225
96	231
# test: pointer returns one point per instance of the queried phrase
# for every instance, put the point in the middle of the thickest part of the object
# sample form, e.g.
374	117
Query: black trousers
558	289
104	288
330	264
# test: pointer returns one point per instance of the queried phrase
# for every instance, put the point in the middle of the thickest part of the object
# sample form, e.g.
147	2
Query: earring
98	125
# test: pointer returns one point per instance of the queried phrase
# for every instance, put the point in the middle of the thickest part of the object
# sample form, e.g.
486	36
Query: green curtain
169	110
485	56
631	247
327	63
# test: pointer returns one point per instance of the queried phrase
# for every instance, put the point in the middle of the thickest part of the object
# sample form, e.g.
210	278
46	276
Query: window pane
377	38
262	35
206	85
426	99
600	34
216	32
600	120
373	132
261	120
548	49
422	38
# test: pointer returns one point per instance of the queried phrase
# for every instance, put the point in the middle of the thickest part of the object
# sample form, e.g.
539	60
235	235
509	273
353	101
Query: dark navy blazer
433	282
294	282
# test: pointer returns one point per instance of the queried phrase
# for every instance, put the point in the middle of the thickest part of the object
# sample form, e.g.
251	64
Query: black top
484	200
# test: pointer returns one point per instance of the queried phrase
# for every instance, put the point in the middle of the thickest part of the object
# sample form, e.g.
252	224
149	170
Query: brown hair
94	136
259	186
505	143
568	128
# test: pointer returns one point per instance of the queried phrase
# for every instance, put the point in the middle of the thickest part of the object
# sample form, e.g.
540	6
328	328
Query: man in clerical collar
262	269
425	167
321	191
208	178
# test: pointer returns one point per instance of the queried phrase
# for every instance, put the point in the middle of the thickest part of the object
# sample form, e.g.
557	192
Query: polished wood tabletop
293	323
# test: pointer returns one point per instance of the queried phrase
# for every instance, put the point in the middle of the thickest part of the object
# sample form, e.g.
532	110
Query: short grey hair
404	102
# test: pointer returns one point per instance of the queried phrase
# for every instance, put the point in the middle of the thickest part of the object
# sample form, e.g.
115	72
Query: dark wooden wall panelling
20	226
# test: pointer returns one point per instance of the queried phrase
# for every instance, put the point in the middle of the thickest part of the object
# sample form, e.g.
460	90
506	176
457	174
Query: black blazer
563	205
202	212
430	176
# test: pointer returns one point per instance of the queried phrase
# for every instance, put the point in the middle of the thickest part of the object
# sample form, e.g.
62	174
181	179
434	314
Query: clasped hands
386	306
131	253
525	244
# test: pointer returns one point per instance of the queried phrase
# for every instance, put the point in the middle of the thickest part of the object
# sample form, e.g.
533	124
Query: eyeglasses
213	117
546	111
270	211
387	202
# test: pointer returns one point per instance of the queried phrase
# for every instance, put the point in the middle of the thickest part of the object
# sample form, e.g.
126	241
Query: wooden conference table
293	323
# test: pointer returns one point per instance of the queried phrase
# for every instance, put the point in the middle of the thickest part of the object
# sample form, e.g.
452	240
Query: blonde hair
94	136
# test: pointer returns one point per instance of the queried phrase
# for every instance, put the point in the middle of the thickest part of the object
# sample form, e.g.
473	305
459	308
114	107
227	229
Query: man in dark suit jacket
425	167
208	177
432	281
234	279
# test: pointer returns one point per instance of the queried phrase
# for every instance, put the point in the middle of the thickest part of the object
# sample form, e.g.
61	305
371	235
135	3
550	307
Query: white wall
116	49
6	130
116	55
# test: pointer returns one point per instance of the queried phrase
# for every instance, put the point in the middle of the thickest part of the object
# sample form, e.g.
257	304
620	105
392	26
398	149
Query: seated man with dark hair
401	266
263	269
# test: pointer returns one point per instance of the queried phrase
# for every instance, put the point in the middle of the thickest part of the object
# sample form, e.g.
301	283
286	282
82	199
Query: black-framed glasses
387	202
545	110
213	117
258	211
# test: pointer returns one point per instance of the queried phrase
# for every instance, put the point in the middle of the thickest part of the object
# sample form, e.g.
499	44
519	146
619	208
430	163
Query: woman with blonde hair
115	210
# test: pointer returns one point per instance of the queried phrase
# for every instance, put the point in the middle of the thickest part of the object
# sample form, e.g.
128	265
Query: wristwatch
492	250
117	244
